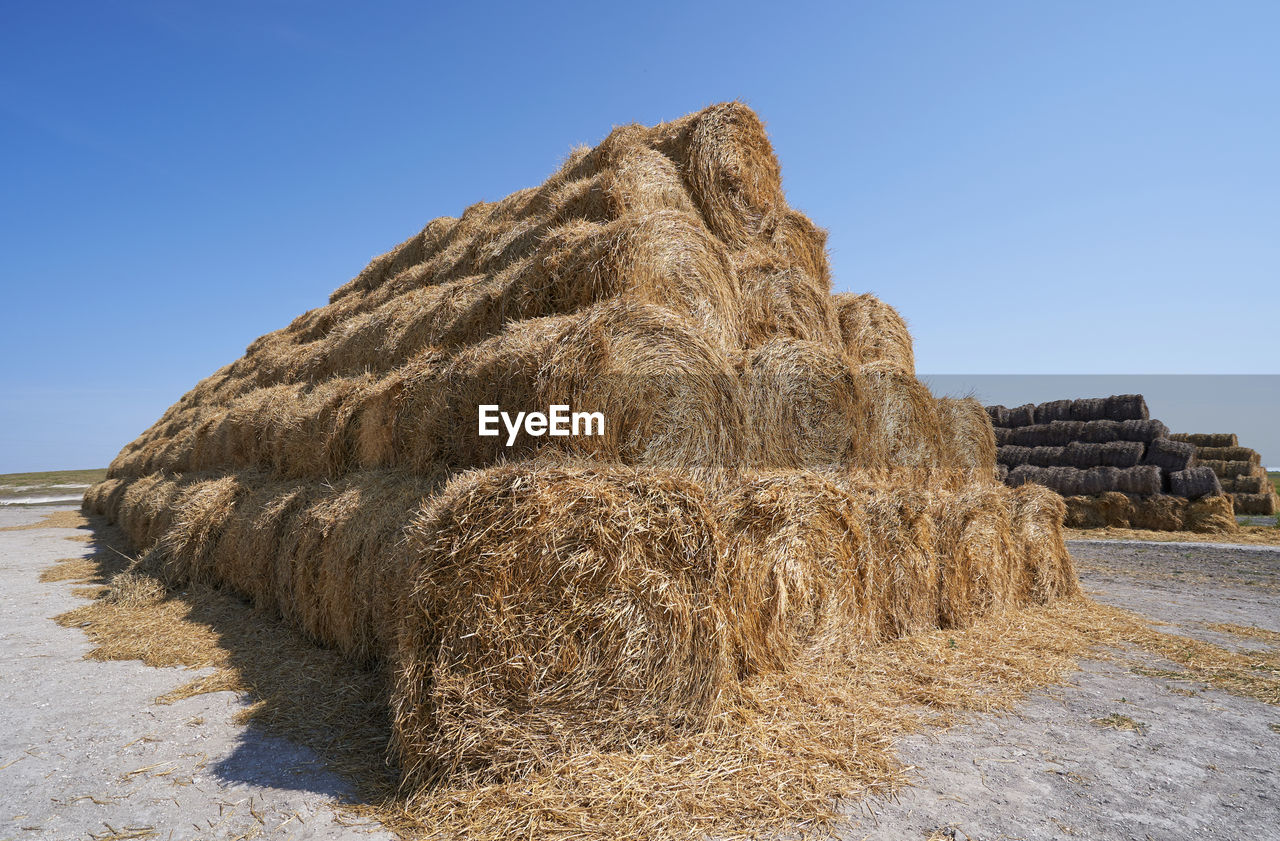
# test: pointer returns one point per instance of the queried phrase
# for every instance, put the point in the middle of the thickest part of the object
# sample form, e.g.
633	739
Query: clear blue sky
1040	187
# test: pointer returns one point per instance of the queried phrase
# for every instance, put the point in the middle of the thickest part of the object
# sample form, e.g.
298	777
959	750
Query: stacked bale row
1239	470
773	480
1091	450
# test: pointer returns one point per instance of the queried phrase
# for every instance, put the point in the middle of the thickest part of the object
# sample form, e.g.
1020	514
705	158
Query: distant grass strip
52	477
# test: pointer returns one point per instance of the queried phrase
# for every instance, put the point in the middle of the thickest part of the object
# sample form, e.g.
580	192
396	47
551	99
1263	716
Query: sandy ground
85	753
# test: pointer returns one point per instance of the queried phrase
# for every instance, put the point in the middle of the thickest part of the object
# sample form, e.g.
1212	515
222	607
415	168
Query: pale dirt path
84	750
1205	766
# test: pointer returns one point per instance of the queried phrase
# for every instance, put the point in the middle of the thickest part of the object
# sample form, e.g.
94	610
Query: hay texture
1238	470
772	483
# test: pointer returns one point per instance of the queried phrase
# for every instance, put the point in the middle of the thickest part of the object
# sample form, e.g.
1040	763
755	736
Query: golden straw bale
145	511
729	164
253	544
803	405
669	397
901	430
791	541
1047	571
557	610
900	567
185	551
804	245
968	440
874	332
314	435
980	568
1159	512
1210	514
781	300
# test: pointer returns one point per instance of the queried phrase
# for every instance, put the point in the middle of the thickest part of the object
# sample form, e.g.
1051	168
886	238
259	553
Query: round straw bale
874	332
1024	415
1003	436
1170	456
1144	480
1194	482
1053	410
1211	515
790	545
1024	474
729	165
1107	510
902	430
1046	571
1244	484
978	566
1081	455
253	550
641	180
804	245
1012	455
1207	439
968	442
997	415
781	300
1047	456
1100	431
1097	480
1088	409
145	511
1002	473
557	610
1145	431
97	498
803	405
1159	512
668	396
185	551
1123	407
1121	453
1227	469
895	583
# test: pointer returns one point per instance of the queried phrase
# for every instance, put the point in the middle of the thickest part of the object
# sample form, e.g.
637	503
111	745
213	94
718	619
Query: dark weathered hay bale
1055	434
1002	435
1065	480
557	610
1099	480
804	407
1207	439
1121	453
1194	482
1047	456
1002	473
1261	503
1245	484
1047	571
1081	455
1053	410
1228	469
1123	407
1159	512
1210	514
1024	415
1012	455
1170	456
1100	432
1145	431
997	414
1061	433
1144	480
874	332
1024	474
1089	409
1229	454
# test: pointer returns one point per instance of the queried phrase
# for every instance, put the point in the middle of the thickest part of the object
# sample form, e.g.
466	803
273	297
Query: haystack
1238	470
771	483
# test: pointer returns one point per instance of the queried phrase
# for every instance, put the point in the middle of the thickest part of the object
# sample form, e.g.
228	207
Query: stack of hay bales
773	480
1114	463
1239	470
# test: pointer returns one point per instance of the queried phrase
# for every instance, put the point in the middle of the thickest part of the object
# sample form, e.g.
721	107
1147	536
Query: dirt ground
1125	750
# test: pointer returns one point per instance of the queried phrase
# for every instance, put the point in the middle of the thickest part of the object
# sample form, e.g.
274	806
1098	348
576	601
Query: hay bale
185	552
1013	456
901	426
791	541
1047	571
1003	436
1256	504
1228	469
998	415
1194	482
1047	456
1024	415
1207	439
968	442
780	300
804	406
1142	430
1099	480
1107	510
1053	410
979	569
1210	514
1100	432
1002	473
1159	512
1081	455
1144	480
1245	484
1170	456
1125	407
557	610
874	332
1088	409
1122	454
1229	454
900	572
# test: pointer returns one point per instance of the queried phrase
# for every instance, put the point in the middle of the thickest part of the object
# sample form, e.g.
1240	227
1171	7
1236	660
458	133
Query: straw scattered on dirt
1250	535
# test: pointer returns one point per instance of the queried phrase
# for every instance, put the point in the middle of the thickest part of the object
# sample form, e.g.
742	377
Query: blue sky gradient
1039	187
